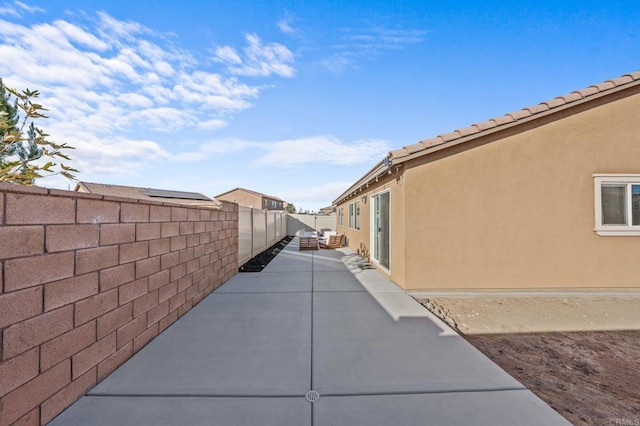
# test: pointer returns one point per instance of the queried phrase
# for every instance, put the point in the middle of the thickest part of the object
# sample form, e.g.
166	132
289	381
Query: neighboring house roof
327	210
159	195
475	131
259	194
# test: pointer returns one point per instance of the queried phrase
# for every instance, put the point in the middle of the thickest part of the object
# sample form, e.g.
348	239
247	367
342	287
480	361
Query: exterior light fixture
388	164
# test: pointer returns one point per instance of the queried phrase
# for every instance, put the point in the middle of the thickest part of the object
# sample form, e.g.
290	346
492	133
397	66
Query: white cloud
369	42
115	156
213	124
106	82
286	25
118	31
316	194
163	119
259	60
338	63
9	11
291	153
228	55
212	149
17	8
322	149
30	9
79	35
136	100
377	39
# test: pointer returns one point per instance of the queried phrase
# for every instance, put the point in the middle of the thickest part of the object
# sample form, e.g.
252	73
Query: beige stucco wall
518	212
360	240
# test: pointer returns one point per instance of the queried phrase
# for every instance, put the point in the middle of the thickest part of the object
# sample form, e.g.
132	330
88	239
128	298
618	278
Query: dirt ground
580	354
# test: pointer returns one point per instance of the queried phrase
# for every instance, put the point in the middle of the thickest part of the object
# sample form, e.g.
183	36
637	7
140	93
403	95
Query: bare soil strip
590	377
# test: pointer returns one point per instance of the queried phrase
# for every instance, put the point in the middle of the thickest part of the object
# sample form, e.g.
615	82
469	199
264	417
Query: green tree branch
23	144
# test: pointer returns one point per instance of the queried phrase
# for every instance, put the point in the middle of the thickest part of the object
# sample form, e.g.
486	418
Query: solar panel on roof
175	194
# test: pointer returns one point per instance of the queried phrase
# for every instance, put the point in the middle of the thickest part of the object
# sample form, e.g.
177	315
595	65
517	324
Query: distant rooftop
260	194
160	195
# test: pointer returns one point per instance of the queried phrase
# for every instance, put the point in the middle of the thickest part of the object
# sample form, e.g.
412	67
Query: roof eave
377	171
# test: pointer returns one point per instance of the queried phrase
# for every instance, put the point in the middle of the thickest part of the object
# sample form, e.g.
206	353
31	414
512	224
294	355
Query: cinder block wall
86	281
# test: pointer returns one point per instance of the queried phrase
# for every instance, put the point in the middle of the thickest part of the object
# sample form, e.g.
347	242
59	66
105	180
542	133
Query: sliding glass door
380	229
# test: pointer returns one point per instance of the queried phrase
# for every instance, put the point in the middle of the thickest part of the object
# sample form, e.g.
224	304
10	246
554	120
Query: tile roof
477	129
150	194
466	134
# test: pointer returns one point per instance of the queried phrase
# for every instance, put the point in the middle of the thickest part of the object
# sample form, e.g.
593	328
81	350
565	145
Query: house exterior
249	198
326	211
542	198
149	194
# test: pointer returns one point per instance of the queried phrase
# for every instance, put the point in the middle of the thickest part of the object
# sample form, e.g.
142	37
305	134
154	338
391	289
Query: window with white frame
617	204
354	215
340	216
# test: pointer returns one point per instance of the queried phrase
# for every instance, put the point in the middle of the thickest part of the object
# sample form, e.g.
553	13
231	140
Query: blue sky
296	99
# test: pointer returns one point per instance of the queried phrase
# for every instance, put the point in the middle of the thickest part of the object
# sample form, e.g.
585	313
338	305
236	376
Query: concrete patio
314	320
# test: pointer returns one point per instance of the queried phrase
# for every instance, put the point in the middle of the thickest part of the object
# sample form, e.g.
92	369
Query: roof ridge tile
572	97
537	109
619	81
399	153
588	91
605	85
416	147
428	143
555	102
469	130
484	125
519	115
503	119
446	137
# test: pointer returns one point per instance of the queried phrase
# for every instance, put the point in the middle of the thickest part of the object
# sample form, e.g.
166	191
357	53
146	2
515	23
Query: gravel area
259	262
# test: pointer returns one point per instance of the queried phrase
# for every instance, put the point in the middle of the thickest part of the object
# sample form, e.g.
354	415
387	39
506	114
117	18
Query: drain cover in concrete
312	396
